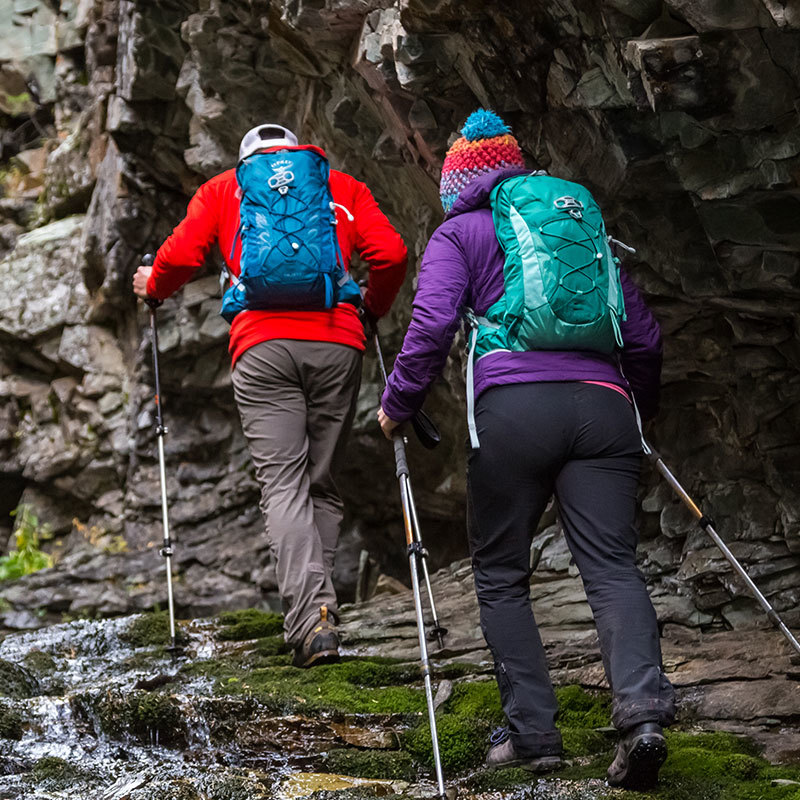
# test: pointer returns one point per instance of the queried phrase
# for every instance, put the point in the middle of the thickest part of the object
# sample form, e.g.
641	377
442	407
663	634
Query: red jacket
213	216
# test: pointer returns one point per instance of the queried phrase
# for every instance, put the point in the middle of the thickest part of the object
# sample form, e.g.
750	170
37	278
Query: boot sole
644	761
322	657
538	765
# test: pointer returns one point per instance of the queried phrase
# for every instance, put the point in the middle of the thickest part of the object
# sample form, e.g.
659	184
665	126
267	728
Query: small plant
27	558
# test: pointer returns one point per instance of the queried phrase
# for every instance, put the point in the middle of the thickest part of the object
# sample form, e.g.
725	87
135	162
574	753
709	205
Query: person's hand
368	320
387	424
140	278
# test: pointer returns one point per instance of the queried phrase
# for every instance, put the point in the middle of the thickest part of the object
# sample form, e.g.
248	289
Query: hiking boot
640	753
502	753
321	646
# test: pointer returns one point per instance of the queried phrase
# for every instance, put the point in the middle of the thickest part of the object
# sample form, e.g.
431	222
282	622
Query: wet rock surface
680	116
107	713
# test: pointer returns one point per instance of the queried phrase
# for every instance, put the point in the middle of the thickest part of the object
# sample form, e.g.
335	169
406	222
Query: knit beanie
485	144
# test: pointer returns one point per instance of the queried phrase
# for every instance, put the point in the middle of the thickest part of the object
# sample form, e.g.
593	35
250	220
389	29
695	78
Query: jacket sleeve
186	248
642	351
382	247
436	316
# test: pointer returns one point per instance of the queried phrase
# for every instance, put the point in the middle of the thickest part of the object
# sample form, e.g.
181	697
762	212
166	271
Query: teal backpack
562	285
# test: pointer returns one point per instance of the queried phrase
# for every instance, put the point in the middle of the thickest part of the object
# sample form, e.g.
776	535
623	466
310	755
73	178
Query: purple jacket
463	267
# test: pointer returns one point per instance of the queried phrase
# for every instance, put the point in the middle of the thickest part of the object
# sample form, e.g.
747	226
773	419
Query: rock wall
681	116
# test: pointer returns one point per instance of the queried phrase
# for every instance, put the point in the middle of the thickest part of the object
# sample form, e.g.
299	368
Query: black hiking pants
580	442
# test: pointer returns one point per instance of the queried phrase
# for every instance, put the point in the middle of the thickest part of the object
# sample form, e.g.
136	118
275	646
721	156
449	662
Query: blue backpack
290	254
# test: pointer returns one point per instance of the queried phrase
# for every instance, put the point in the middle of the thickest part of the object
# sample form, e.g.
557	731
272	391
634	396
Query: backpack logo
283	176
569	204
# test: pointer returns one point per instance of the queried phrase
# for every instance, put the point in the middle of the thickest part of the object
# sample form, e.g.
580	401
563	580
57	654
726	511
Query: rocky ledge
102	704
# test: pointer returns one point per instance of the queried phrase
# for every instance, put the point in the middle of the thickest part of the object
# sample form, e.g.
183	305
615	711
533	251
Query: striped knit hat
485	144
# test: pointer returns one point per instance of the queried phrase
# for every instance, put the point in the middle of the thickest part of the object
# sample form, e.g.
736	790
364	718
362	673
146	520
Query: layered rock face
682	118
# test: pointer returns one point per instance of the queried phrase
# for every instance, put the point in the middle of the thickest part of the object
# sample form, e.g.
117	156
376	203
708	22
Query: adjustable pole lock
416	549
161	430
706	522
166	552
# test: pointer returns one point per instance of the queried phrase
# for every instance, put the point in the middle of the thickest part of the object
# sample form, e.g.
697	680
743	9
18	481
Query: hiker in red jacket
296	375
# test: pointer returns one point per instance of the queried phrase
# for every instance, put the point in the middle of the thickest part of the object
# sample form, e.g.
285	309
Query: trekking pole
166	548
429	437
707	524
416	554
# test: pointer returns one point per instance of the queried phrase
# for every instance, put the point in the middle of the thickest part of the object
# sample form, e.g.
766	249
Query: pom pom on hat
483	124
486	144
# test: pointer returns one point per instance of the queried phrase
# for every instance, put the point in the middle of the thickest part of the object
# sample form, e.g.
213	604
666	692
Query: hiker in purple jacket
548	423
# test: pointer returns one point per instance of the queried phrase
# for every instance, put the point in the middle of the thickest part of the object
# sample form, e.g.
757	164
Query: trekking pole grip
400	455
147	260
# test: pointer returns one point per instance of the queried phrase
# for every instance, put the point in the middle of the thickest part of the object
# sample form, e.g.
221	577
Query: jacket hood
476	193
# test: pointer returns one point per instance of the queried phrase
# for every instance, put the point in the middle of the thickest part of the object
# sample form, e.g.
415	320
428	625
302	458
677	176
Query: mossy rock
476	700
150	717
151	630
249	623
581	742
10	723
708	766
462	742
354	686
40	663
17	682
385	764
498	780
578	708
56	773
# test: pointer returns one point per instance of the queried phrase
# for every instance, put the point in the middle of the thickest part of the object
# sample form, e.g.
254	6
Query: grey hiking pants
579	442
296	400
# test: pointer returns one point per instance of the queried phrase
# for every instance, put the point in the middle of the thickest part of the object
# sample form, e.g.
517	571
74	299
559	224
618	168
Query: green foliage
27	558
248	623
10	723
386	764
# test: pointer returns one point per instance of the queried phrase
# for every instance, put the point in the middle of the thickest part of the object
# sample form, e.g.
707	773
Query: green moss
386	764
708	766
16	681
577	708
56	773
149	716
10	723
496	780
476	700
580	742
462	742
249	623
149	630
271	646
39	662
356	686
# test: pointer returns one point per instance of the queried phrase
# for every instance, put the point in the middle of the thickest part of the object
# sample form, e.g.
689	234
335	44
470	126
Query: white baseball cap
265	135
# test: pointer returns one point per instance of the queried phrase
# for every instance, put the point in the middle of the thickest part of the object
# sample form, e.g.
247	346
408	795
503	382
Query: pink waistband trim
611	386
